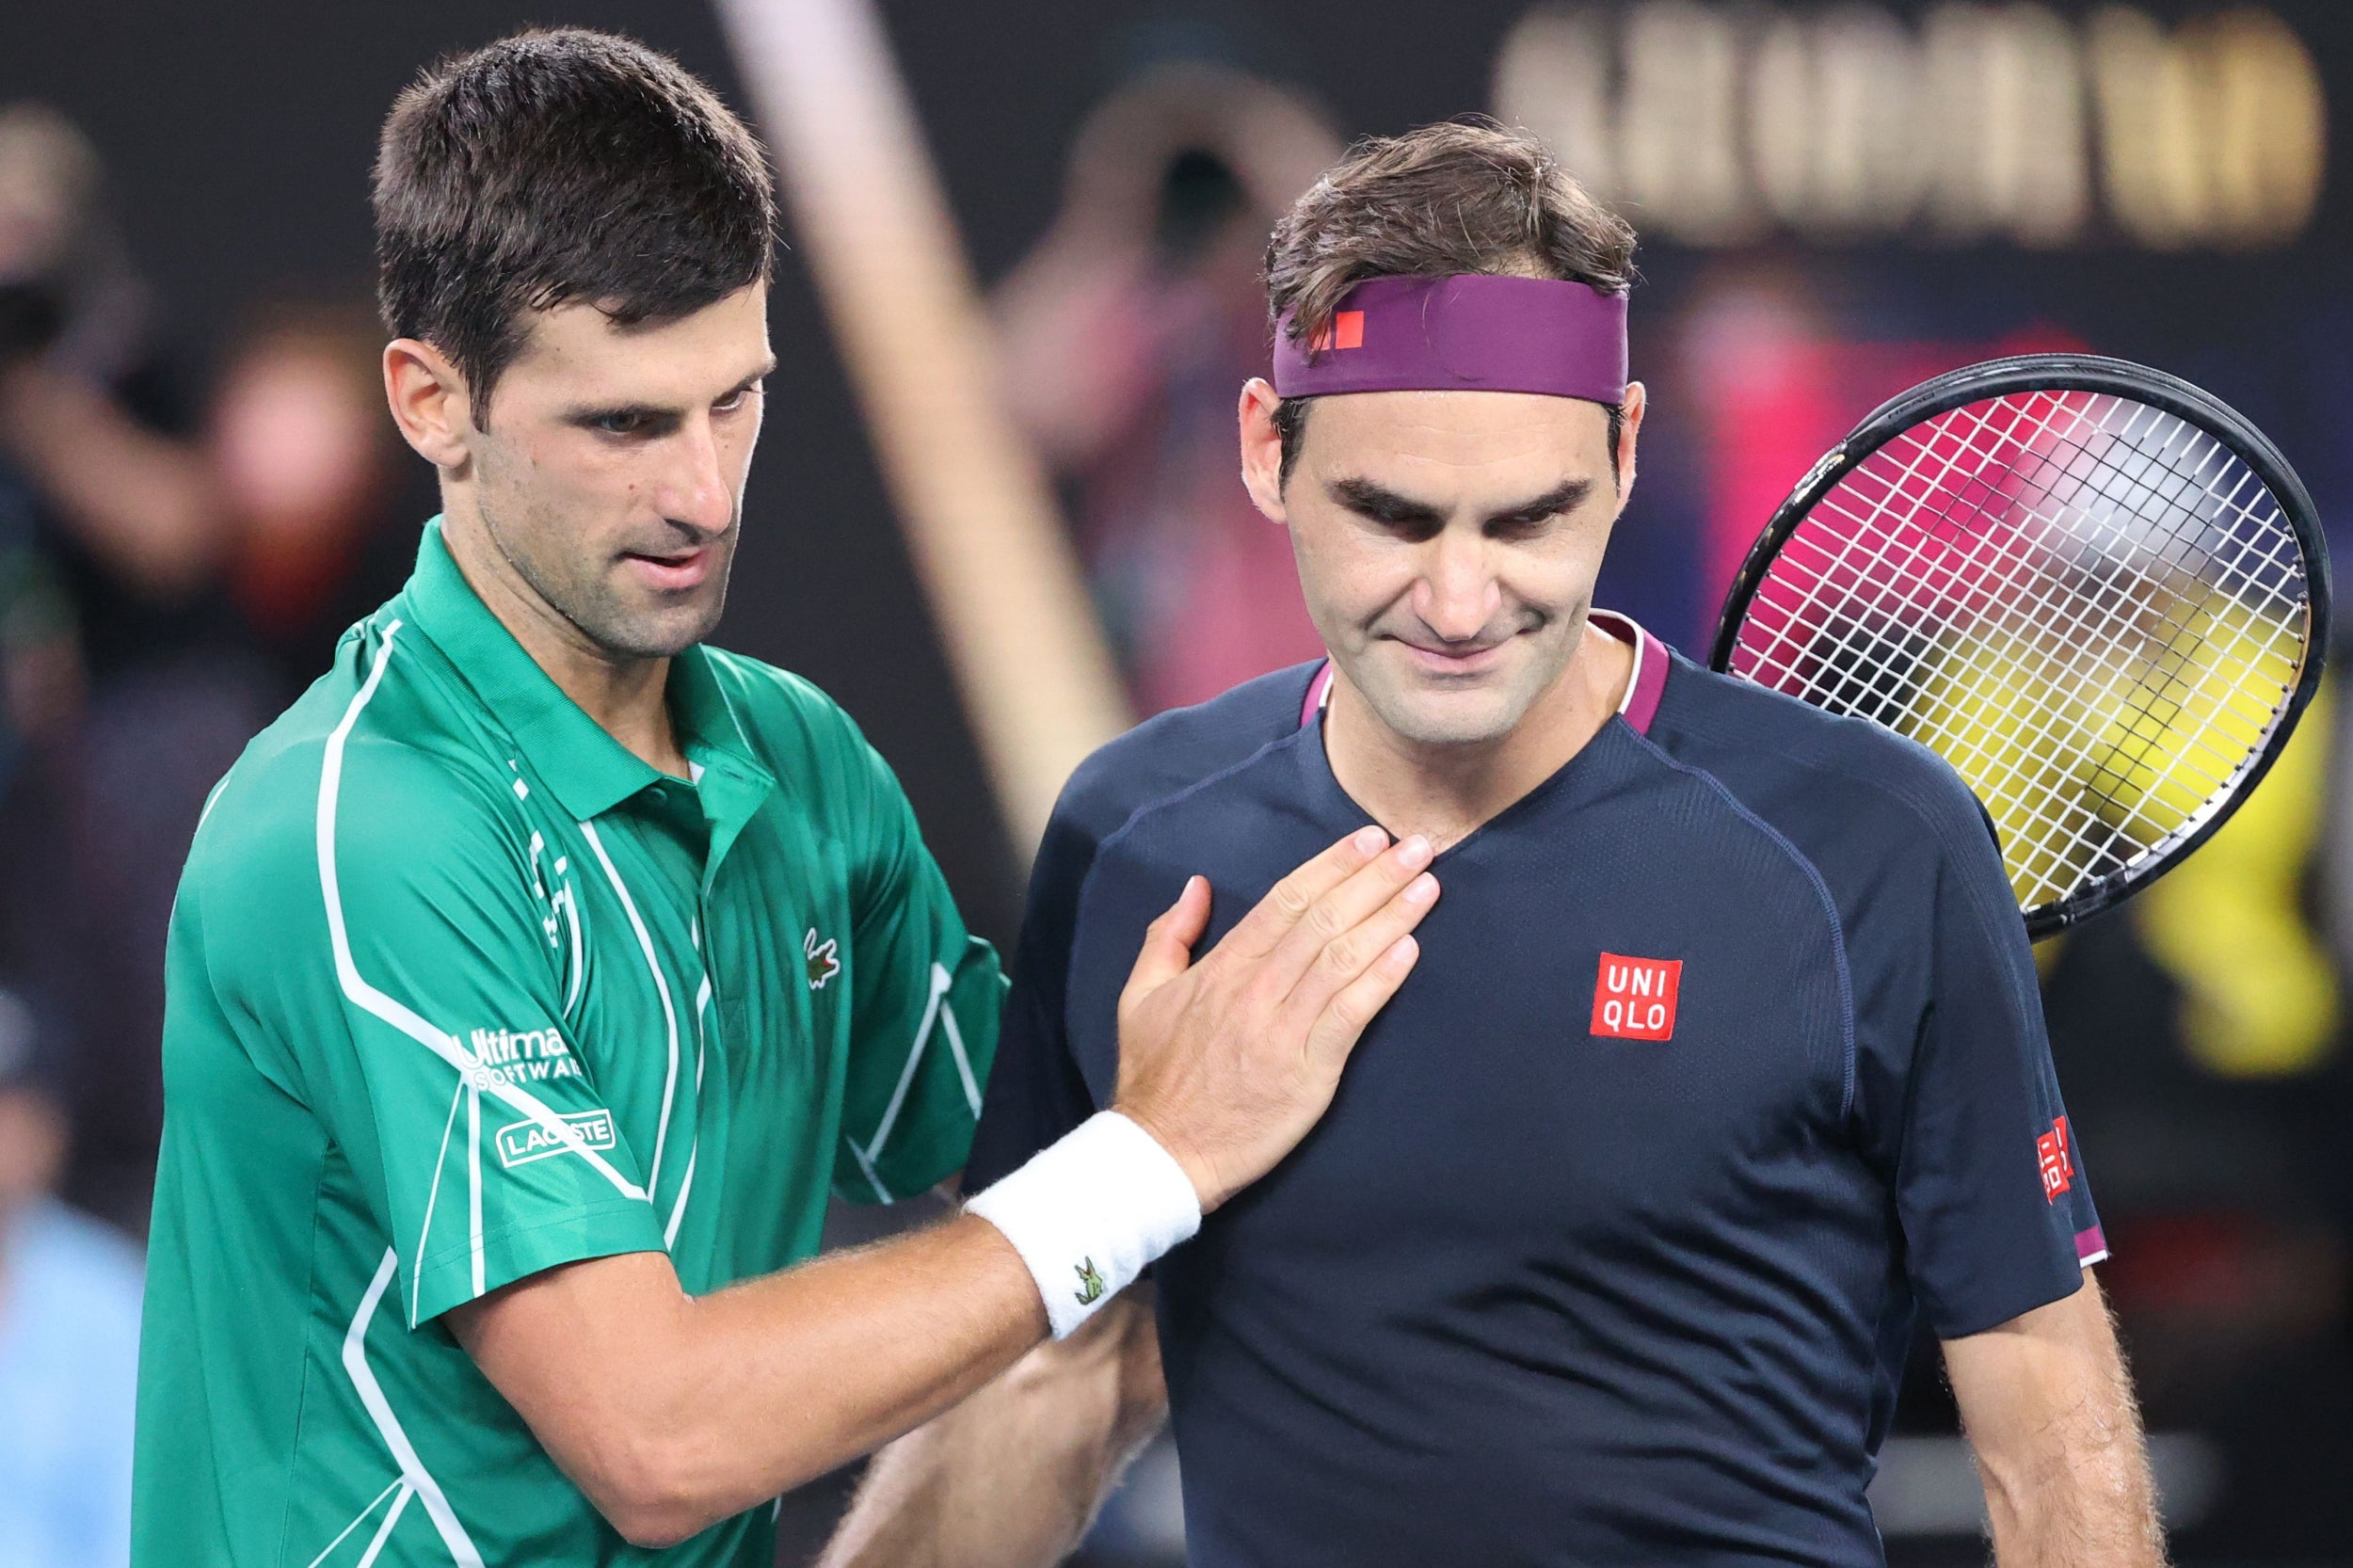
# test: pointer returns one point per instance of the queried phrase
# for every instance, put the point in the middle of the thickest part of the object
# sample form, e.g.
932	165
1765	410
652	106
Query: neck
1448	791
626	695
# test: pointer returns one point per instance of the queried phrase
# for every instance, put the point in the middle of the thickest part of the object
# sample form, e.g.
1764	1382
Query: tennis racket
2097	591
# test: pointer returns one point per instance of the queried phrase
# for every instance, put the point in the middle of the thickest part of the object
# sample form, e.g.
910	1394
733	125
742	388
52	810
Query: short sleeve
924	996
426	1026
1991	1187
1036	1092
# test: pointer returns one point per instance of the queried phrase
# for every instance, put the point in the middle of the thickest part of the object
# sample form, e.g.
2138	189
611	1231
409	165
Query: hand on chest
1603	1023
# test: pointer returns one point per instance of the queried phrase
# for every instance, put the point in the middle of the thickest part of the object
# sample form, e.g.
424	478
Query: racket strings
2091	608
2048	846
2163	696
1979	501
2061	623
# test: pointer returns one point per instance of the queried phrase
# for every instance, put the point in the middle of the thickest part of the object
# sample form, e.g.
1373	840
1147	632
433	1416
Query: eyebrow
1382	504
586	413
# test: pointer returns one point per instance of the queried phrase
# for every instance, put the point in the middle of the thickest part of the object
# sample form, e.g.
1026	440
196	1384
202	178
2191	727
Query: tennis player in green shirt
535	977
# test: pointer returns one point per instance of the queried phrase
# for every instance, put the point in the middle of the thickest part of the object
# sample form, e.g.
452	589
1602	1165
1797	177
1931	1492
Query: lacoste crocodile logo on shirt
1634	999
823	964
1090	1283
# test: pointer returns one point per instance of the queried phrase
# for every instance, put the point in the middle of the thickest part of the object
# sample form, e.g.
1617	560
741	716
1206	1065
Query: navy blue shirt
1724	1061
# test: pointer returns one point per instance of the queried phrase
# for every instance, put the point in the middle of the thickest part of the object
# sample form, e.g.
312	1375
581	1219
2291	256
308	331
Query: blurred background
199	490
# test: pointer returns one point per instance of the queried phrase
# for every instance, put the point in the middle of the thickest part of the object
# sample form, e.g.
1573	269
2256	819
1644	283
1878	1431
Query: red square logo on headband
1346	331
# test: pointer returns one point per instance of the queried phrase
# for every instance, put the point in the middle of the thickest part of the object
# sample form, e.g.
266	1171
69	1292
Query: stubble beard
1428	717
583	590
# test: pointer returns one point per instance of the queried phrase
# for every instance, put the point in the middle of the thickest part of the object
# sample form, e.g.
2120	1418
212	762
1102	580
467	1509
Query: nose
695	488
1457	596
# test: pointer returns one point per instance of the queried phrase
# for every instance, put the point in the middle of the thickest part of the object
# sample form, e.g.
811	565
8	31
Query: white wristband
1088	1213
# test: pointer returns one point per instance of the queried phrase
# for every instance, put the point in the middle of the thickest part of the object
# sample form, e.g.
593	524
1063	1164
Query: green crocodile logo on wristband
1090	1283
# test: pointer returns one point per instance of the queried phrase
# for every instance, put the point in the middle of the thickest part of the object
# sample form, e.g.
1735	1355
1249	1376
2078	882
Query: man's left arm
1999	1228
1012	1476
2050	1413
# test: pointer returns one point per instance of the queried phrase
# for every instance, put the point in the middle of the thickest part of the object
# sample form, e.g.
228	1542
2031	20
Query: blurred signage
1720	123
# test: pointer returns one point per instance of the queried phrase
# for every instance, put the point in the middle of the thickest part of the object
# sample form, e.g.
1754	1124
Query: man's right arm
672	1412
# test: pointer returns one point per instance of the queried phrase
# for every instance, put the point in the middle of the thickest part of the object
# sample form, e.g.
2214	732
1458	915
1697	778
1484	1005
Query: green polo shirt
459	990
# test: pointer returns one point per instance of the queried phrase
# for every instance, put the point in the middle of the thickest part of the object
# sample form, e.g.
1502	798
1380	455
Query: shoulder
1157	761
1173	753
361	770
1799	767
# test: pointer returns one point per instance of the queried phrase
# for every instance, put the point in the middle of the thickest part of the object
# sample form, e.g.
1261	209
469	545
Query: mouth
1458	662
673	572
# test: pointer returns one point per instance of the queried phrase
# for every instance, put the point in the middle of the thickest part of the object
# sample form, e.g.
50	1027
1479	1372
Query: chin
1449	718
662	634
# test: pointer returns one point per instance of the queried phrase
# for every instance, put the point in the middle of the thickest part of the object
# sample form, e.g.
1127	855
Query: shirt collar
729	778
589	771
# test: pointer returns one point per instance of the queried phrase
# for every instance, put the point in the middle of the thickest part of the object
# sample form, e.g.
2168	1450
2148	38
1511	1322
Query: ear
1636	398
430	402
1262	448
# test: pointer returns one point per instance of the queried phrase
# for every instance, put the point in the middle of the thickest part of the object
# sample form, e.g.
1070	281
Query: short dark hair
557	165
1463	196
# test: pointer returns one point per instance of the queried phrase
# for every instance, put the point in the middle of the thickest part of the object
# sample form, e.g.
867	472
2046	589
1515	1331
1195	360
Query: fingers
1342	1022
1334	918
1360	946
1168	941
1290	899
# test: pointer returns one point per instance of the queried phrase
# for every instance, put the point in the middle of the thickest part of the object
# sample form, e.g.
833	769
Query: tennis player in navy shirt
1724	1065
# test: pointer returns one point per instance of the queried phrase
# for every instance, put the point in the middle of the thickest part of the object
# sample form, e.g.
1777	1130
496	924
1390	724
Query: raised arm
146	504
2048	1408
672	1412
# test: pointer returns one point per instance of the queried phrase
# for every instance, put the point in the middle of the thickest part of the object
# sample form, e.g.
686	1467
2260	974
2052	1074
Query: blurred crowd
180	546
1127	333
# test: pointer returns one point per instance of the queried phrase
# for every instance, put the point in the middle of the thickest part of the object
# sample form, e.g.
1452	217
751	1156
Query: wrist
1201	1172
1091	1212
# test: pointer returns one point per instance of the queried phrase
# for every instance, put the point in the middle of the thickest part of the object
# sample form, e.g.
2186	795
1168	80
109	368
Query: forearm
702	1408
144	503
671	1413
1012	1476
2057	1437
837	1358
2081	1497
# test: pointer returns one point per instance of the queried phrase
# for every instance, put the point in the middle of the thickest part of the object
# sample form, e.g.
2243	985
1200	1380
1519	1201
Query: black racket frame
2088	372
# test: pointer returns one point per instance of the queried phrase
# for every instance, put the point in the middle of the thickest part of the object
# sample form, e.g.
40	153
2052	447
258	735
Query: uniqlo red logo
1634	999
2050	1153
1346	331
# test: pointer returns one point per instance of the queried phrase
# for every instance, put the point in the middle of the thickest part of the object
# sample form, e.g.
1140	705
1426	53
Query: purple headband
1471	332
